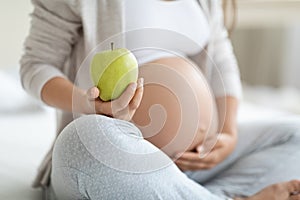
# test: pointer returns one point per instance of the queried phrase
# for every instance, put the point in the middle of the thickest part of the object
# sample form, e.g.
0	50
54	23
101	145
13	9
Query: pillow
13	98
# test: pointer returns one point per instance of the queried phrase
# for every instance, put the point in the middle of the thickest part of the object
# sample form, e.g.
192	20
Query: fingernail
93	92
90	93
140	82
133	86
201	156
200	149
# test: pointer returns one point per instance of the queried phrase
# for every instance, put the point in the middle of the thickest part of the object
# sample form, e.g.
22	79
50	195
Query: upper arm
225	77
54	30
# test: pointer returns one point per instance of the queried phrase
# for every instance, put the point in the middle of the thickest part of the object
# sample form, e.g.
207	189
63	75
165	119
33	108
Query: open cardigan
63	32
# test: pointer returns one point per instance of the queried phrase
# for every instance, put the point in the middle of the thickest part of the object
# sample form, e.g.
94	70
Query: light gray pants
96	157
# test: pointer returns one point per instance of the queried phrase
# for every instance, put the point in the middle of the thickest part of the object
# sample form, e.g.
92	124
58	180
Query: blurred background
266	40
267	45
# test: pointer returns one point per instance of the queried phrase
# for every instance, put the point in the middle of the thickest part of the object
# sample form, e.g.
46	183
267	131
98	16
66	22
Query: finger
217	142
208	147
128	112
93	93
211	158
140	82
123	114
181	167
189	156
123	101
187	165
136	100
184	165
103	108
295	197
293	186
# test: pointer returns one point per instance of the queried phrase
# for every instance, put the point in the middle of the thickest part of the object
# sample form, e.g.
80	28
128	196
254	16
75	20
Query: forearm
60	93
227	110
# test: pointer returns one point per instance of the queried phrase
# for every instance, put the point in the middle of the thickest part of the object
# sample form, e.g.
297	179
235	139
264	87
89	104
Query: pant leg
266	153
96	157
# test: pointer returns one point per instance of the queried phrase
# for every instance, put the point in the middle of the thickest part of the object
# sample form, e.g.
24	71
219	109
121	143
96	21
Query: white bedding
26	135
26	132
24	140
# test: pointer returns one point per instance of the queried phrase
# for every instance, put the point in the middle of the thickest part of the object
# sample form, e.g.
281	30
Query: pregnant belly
177	110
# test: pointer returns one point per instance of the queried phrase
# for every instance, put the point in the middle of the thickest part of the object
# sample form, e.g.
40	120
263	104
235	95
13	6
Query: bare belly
177	110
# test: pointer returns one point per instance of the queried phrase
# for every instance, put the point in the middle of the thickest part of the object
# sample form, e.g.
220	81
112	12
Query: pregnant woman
183	107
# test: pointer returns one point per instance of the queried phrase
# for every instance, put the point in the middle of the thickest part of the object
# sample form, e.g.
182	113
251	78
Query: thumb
202	152
93	93
293	187
200	149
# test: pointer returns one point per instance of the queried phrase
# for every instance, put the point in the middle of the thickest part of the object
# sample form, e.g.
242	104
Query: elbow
34	76
24	72
229	84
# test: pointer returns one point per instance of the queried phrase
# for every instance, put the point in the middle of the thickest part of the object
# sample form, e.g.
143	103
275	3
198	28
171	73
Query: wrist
230	130
80	102
230	140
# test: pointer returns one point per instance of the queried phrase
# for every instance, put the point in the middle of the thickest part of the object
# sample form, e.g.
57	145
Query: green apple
112	71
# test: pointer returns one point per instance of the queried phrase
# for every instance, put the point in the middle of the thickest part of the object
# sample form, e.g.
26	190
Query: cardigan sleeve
54	30
225	75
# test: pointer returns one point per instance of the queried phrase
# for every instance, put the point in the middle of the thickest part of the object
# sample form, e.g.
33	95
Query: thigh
268	153
96	157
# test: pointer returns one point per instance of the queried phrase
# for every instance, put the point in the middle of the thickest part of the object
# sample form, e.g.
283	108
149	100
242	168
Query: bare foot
281	191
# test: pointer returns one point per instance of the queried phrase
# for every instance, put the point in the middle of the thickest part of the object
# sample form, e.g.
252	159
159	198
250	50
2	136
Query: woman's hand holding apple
123	107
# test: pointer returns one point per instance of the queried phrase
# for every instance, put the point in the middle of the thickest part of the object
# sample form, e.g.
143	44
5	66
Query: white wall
291	69
267	13
14	23
266	42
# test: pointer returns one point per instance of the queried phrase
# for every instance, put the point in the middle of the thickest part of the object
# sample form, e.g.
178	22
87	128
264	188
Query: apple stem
112	46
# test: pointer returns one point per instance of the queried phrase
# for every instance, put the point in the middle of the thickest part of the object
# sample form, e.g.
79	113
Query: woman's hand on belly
222	149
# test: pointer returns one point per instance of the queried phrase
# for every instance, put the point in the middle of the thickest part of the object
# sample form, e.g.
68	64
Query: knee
288	130
293	128
94	142
98	138
93	133
290	127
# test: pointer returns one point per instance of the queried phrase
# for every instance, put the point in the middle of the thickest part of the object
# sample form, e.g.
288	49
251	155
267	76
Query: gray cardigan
63	32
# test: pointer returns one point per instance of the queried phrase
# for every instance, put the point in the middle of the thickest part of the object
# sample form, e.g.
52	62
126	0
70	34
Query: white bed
24	139
27	130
